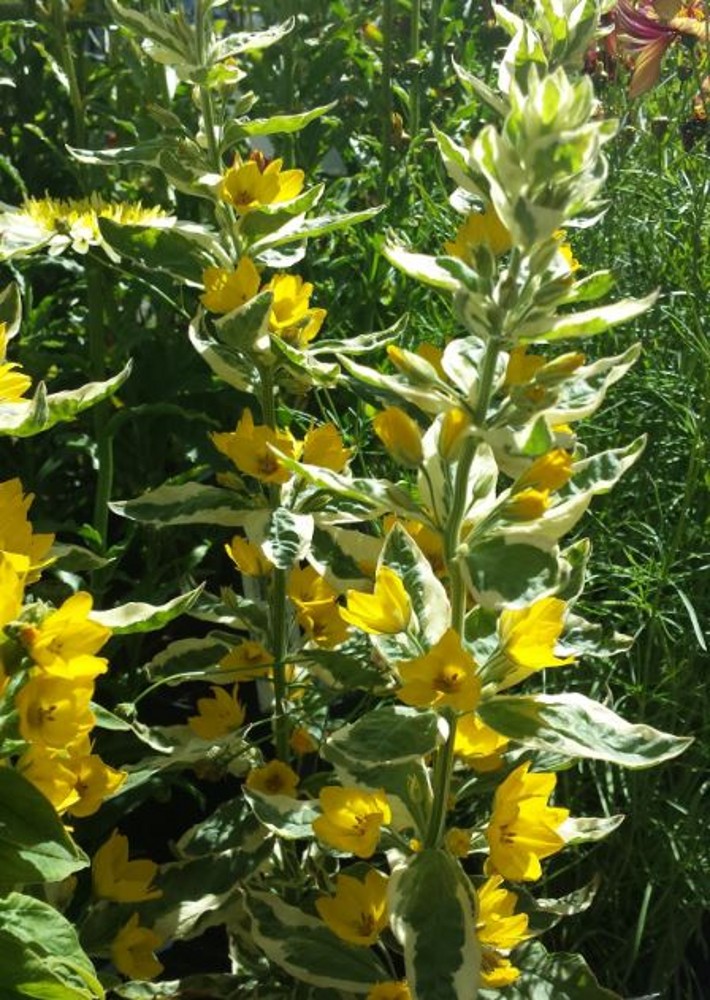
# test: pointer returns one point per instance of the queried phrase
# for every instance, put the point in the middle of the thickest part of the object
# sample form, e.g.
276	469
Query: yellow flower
50	775
54	711
323	623
387	611
480	229
445	677
429	541
249	447
478	744
306	587
115	877
16	535
291	316
390	991
549	472
352	819
453	430
565	251
13	570
66	633
73	222
400	435
13	384
497	971
301	741
357	912
248	660
132	951
247	557
528	637
458	841
217	716
227	290
248	186
323	446
274	778
523	828
521	367
498	925
498	928
94	781
531	492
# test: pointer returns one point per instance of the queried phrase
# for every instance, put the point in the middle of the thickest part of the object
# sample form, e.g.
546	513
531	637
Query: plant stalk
279	619
96	330
387	62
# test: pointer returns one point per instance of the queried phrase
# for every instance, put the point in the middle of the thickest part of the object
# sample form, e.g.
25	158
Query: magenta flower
644	33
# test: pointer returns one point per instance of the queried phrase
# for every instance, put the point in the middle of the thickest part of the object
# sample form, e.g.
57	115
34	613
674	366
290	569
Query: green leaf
511	575
550	977
481	90
231	825
29	417
304	366
300	229
11	310
217	986
175	248
584	324
185	657
138	617
246	329
190	503
284	124
582	829
290	818
307	950
426	593
232	366
576	726
40	954
421	267
250	41
389	734
432	915
288	537
34	846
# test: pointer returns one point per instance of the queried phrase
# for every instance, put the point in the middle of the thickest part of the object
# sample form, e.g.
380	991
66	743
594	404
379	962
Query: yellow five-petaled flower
445	677
352	818
387	611
357	912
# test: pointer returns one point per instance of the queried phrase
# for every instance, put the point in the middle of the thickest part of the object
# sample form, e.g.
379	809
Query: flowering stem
457	583
278	594
387	47
102	436
442	783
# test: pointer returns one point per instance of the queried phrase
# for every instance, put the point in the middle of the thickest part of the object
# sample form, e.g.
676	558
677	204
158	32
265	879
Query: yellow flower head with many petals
352	818
445	677
523	828
387	611
357	912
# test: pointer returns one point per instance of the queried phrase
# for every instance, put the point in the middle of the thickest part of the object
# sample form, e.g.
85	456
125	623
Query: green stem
437	43
278	595
414	46
457	584
442	784
387	47
67	62
97	363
